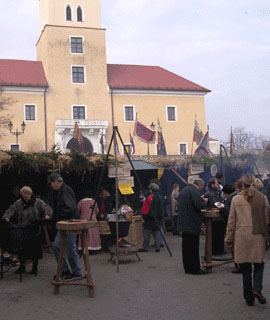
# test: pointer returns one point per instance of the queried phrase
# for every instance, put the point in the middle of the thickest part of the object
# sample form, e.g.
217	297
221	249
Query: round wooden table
80	228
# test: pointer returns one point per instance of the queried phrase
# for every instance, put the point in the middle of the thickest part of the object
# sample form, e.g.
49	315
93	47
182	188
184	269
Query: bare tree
4	116
245	140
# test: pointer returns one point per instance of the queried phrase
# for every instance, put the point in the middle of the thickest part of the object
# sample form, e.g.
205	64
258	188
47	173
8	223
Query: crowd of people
28	213
242	228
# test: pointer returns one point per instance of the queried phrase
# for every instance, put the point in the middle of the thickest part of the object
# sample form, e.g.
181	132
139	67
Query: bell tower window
68	14
79	14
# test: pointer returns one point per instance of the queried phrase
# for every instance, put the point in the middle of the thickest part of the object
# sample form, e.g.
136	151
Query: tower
72	49
72	13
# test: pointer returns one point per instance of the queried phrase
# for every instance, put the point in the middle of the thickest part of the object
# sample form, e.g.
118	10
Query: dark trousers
147	234
190	252
175	225
246	269
218	237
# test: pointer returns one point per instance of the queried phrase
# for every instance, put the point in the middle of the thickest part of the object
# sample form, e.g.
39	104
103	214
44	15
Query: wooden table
211	215
79	228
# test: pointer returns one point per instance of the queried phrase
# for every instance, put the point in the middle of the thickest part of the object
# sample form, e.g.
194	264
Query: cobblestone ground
155	288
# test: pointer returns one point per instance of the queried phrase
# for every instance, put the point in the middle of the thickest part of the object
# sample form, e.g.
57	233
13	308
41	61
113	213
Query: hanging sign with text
125	189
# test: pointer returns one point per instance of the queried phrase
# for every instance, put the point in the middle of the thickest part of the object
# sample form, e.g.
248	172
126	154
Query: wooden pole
116	197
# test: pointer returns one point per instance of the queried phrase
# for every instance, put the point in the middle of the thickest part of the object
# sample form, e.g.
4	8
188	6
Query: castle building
71	81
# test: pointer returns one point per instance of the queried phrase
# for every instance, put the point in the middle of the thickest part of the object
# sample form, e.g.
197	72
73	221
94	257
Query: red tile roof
148	78
212	139
22	73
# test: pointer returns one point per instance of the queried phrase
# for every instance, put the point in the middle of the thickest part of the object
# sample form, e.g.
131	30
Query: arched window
79	14
68	13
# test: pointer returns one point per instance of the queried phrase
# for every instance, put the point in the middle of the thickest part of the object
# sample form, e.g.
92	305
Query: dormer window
79	14
68	14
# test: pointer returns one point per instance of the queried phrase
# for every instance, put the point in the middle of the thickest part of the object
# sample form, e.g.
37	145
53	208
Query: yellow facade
55	108
33	139
53	49
150	108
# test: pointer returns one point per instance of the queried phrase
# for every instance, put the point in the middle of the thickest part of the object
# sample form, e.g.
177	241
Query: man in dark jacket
66	209
190	205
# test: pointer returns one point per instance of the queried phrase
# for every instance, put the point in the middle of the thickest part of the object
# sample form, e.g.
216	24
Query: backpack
145	206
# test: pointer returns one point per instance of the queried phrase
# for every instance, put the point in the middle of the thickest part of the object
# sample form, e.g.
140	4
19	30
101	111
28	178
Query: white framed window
78	74
128	147
78	112
183	148
68	13
76	44
129	113
79	14
30	112
14	147
171	113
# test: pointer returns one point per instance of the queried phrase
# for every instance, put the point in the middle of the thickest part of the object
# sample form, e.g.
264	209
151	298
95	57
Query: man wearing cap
66	209
190	205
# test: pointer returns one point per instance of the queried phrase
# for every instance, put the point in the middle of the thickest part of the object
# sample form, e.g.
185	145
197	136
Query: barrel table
80	228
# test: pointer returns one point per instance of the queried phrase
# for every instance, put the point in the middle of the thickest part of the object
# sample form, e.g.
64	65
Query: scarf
257	202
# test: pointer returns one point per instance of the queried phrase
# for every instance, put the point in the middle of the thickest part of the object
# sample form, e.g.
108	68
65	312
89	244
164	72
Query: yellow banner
160	173
125	189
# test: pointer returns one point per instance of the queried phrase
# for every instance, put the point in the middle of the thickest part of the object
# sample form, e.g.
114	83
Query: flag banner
132	151
232	144
161	148
160	173
197	133
144	134
101	141
203	148
78	136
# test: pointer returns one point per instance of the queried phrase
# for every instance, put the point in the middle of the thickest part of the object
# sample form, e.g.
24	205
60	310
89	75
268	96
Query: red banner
144	134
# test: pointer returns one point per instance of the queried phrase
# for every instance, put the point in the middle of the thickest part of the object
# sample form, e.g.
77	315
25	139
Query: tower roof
22	73
148	78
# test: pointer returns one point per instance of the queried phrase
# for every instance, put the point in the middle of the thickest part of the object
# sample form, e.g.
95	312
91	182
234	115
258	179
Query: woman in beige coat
247	227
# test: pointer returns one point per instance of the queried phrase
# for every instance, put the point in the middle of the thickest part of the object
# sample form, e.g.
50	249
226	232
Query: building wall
53	49
150	108
33	139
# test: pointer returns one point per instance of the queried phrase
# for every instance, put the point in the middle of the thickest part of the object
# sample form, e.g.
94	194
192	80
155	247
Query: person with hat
66	209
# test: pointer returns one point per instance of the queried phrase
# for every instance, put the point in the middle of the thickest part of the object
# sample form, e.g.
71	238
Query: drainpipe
112	108
45	120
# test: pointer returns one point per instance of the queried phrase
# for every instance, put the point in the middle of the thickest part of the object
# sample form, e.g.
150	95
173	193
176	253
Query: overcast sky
223	45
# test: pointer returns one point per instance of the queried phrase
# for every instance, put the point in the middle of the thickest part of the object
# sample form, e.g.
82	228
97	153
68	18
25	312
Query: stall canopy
142	165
